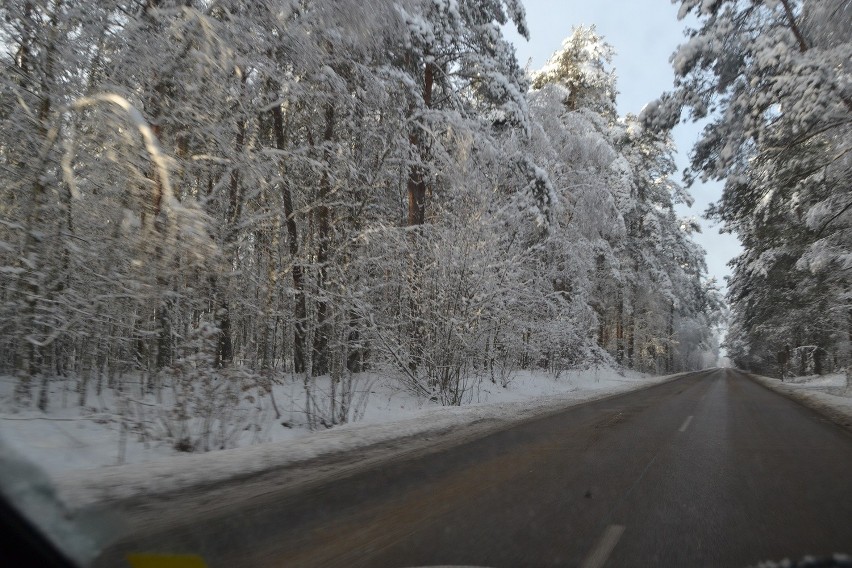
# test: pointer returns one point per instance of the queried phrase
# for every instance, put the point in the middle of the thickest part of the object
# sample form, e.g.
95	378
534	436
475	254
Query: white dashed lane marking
686	424
600	553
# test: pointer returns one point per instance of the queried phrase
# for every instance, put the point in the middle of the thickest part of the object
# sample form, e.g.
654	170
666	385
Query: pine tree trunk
849	352
417	191
28	356
416	185
152	225
321	335
300	308
631	335
225	348
670	349
619	329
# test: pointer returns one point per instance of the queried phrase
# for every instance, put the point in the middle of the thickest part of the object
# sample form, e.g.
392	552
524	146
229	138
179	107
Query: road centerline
686	423
602	550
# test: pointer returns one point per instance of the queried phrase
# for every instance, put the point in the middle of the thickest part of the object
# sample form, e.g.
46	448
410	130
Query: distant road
708	470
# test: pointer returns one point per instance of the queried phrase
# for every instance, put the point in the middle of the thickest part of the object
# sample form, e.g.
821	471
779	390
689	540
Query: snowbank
77	451
827	394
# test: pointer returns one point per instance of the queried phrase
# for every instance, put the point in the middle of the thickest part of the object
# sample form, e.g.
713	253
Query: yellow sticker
165	561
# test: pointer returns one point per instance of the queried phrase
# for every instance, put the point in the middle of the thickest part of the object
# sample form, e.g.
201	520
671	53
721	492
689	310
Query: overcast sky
644	34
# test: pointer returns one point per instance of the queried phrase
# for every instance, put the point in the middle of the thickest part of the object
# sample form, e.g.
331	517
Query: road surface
708	470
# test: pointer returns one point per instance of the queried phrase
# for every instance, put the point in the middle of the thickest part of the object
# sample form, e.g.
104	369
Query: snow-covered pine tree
773	80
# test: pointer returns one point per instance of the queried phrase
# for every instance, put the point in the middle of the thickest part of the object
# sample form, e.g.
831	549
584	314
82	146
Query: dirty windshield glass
401	283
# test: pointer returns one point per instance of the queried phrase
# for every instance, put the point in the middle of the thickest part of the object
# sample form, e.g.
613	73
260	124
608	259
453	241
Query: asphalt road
708	470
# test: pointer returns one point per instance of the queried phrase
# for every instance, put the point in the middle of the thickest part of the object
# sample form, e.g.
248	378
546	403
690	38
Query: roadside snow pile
77	446
834	383
827	394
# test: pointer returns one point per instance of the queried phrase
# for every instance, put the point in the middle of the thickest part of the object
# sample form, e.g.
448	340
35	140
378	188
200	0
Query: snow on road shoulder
827	394
390	422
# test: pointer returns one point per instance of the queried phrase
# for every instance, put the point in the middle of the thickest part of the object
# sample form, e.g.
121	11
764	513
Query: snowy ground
827	394
80	448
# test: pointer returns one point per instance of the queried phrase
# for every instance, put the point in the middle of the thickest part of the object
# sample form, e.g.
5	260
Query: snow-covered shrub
206	413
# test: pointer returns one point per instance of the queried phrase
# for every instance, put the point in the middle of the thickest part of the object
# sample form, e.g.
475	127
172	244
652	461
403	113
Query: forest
772	81
208	198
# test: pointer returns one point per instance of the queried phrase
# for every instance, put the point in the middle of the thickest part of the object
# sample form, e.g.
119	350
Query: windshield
425	282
